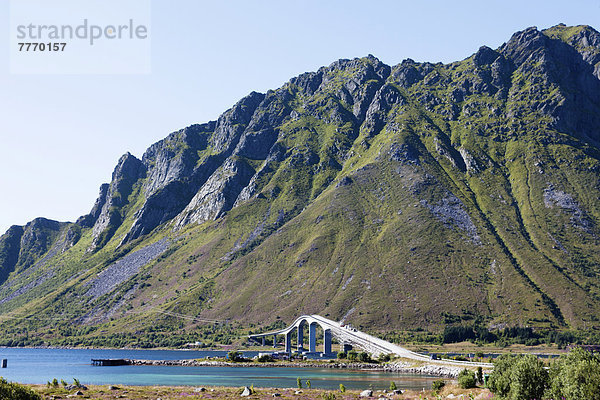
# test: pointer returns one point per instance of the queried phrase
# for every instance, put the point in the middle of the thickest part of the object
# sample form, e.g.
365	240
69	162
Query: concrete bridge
346	336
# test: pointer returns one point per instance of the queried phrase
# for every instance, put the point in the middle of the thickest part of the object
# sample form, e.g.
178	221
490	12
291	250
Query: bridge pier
263	341
327	341
345	347
300	337
288	342
274	340
312	337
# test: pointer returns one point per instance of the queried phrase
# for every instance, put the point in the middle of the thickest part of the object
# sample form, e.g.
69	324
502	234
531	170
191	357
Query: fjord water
27	365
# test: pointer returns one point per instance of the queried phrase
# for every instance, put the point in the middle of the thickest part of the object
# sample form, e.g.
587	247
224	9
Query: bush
14	391
393	386
438	385
235	356
352	355
518	377
499	380
299	383
466	379
575	375
341	355
265	358
529	379
364	357
342	388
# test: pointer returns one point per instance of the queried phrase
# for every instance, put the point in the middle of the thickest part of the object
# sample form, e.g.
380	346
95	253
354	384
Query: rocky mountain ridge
353	190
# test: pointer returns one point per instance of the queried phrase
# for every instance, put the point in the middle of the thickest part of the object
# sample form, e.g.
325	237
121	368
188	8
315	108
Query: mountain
391	197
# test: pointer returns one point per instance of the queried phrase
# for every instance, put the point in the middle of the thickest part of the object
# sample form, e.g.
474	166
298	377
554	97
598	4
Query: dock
109	362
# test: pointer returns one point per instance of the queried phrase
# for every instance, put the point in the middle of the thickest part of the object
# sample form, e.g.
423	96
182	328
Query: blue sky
61	135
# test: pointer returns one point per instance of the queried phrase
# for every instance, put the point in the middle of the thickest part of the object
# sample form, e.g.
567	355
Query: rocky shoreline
398	367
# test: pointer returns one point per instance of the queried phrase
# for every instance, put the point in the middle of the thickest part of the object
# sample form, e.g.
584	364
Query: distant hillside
416	195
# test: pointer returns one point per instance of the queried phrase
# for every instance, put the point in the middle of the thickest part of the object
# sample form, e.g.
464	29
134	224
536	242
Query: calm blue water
42	365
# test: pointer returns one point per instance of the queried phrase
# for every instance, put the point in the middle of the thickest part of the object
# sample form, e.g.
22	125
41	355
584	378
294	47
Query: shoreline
397	367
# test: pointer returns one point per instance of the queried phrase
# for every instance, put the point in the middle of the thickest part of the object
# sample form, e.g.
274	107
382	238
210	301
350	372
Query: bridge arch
298	327
312	334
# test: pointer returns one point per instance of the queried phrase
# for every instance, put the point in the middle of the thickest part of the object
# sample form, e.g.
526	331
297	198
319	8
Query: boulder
246	392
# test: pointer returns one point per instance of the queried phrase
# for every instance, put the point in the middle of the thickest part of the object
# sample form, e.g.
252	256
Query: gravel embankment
427	369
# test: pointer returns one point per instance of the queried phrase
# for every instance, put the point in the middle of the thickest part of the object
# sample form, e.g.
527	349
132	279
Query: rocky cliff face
385	195
127	172
22	247
10	244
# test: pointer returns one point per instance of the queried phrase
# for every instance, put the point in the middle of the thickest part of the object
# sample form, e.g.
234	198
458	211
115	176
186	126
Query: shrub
518	377
393	385
341	355
529	379
499	380
342	388
299	383
438	385
14	391
384	358
364	357
480	375
265	358
466	379
352	355
234	356
308	383
575	375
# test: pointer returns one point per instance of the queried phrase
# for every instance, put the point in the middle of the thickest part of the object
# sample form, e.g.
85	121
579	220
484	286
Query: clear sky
61	135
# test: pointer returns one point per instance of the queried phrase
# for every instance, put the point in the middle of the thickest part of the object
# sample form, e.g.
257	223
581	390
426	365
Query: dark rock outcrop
127	172
21	247
38	236
10	244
